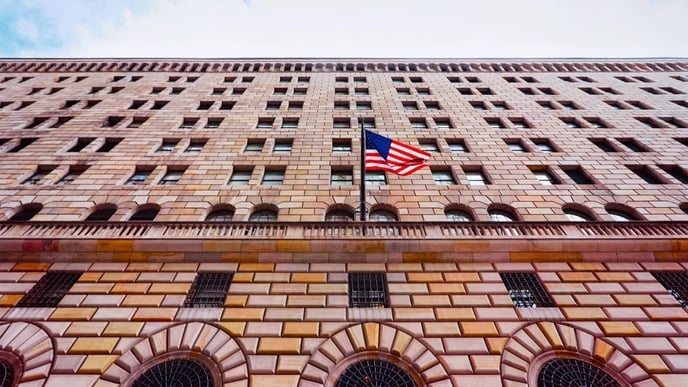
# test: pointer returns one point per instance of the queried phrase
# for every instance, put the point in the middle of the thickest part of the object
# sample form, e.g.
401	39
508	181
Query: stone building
193	221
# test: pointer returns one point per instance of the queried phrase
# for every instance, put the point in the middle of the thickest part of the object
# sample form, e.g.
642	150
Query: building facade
193	221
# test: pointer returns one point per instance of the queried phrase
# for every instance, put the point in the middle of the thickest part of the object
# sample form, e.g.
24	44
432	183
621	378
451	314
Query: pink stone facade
286	319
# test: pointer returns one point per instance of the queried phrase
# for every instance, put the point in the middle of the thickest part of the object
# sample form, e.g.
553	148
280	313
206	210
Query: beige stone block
94	345
279	345
97	364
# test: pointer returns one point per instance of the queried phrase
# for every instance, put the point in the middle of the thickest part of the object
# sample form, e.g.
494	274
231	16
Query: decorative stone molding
373	340
206	343
29	349
532	346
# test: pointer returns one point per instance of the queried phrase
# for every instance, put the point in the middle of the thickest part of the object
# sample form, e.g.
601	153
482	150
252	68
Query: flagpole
363	174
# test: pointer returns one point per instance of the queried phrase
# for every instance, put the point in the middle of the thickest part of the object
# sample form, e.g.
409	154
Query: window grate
208	290
368	290
176	372
573	372
375	372
525	290
676	282
50	289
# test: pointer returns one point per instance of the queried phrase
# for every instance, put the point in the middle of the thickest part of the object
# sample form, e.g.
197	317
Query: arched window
27	212
176	372
263	216
620	216
577	216
6	374
220	215
622	213
103	213
383	216
573	372
455	215
501	216
148	213
375	372
339	216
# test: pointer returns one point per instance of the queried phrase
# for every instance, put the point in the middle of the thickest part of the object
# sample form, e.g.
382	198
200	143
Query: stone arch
376	341
201	341
527	350
29	349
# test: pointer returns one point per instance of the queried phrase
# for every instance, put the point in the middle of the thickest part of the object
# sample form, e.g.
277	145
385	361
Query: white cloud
26	30
367	28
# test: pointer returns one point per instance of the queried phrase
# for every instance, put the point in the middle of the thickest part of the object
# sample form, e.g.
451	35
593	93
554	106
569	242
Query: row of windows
453	213
365	289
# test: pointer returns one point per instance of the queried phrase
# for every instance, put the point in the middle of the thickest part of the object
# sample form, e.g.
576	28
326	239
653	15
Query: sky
346	28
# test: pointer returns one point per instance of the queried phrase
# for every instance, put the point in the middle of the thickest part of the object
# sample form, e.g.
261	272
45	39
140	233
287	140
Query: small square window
495	123
219	90
604	144
191	79
74	172
454	79
369	123
37	121
418	123
363	105
273	177
173	175
341	145
208	290
432	105
526	290
465	91
273	105
265	122
368	290
577	174
229	79
341	176
341	105
188	122
547	91
375	178
409	105
238	90
247	79
546	104
544	176
112	121
295	105
68	104
304	79
341	123
290	123
241	176
41	172
227	105
416	79
647	174
516	146
423	91
283	145
404	91
361	91
544	145
135	104
280	91
213	122
443	177
300	91
360	79
140	175
398	79
519	123
177	90
500	105
341	91
136	122
571	122
195	146
457	146
255	145
168	145
476	177
443	123
285	79
81	143
109	144
485	91
429	145
205	105
341	79
157	105
478	105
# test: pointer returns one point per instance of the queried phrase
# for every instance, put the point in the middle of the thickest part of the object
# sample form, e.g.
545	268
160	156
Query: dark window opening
676	282
368	290
375	372
573	372
176	372
526	290
50	289
208	290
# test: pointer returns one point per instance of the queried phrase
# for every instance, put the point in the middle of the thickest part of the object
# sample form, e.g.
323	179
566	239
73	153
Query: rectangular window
140	175
283	145
543	175
418	123
208	290
158	105
363	105
616	105
403	91
516	145
195	146
173	175
188	123
499	105
341	105
341	91
676	282
168	145
254	145
676	172
645	173
571	122
177	90
290	123
464	90
300	91
443	177
526	290
341	123
368	290
360	80
478	105
409	105
495	123
341	145
137	104
23	143
633	144
361	91
213	122
375	178
273	177
227	105
109	144
285	79
519	123
280	91
475	177
577	174
50	289
597	123
219	90
273	105
136	122
265	122
443	123
68	104
61	121
681	103
457	145
41	172
241	176
604	144
341	176
247	79
36	122
423	91
429	145
205	105
544	145
74	172
81	143
432	105
295	105
229	79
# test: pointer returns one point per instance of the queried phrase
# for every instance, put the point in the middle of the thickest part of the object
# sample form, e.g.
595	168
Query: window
208	290
341	91
241	176
633	144
72	174
454	215
363	105
263	216
383	216
168	145
409	105
341	176
173	175
501	216
285	79
562	371
478	105
137	104
368	290
248	79
457	146
27	212
360	79
616	105
398	79
429	146
137	122
173	79
227	105
36	122
485	91
265	122
205	105
177	90
300	91
681	103
303	79
476	177
219	90
341	145
50	289
361	91
220	215
375	178
577	174
676	172
432	105
145	214
596	122
403	91
369	123
443	177
55	90
255	145
571	122
91	103
37	90
464	90
81	143
620	215
188	122
41	172
676	282
295	105
213	122
495	123
341	123
526	290
191	79
155	90
273	177
195	146
23	143
283	145
568	105
115	90
423	91
418	123
577	216
604	144
544	176
375	372
341	105
109	144
544	145
516	146
290	123
280	91
339	216
140	175
649	122
645	173
519	123
103	214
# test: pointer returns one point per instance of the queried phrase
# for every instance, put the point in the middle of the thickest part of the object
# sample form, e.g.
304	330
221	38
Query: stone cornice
306	65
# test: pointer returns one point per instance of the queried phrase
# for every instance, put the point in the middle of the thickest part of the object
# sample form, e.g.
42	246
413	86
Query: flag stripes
384	154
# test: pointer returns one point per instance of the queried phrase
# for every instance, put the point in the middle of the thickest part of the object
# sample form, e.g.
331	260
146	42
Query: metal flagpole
363	174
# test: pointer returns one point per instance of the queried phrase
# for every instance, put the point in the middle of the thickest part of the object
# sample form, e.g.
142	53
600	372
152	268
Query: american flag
385	154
